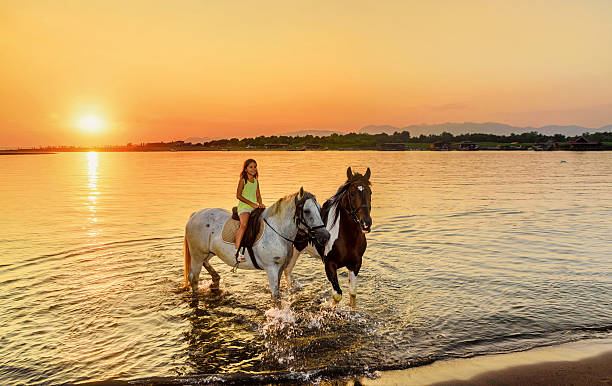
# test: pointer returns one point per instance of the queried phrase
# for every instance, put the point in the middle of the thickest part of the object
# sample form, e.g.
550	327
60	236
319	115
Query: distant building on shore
547	146
467	145
440	145
276	145
581	143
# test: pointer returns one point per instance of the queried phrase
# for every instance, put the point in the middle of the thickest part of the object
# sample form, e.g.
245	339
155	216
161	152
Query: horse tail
187	259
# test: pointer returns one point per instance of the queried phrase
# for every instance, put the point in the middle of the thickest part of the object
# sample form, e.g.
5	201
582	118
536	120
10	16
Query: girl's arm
240	197
259	200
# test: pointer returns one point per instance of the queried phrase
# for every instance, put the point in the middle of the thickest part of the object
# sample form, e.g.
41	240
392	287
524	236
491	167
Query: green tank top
250	193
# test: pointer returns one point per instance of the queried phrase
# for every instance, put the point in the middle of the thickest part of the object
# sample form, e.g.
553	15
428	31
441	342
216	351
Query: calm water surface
470	253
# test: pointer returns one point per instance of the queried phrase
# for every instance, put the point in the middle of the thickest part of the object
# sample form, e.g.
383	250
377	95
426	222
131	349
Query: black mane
337	198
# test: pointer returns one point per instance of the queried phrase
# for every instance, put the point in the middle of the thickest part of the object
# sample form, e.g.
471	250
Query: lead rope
298	220
237	262
235	268
275	231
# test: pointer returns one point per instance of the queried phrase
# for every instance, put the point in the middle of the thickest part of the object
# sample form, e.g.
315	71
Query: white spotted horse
273	250
347	218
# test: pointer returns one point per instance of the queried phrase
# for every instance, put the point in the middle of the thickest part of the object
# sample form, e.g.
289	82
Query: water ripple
470	257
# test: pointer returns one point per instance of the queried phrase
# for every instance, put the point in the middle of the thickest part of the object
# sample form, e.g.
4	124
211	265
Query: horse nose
366	223
323	236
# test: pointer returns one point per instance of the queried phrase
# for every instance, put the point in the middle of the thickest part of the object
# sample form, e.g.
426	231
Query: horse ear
367	175
349	173
301	192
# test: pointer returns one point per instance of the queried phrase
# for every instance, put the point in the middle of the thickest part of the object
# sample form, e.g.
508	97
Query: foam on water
279	318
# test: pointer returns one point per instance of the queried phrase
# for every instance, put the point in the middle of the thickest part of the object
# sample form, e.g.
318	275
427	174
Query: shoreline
24	152
587	362
103	150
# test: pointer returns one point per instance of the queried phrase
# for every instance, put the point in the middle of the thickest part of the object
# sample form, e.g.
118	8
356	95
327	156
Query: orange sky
161	70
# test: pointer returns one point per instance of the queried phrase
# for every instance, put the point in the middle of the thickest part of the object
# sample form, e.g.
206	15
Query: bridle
353	211
299	215
298	218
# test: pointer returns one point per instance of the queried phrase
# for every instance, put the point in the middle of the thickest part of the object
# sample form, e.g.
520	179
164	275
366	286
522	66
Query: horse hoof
337	297
353	300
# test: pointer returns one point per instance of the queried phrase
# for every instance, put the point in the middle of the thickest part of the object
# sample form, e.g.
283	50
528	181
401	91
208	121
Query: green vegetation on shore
360	141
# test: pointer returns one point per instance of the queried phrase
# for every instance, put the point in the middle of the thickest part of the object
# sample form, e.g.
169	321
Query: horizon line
142	143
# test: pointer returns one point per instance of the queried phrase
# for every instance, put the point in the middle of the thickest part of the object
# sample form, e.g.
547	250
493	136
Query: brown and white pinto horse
347	218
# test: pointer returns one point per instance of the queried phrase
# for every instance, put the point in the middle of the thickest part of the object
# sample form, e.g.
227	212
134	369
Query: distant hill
486	128
319	133
377	129
198	139
607	128
565	130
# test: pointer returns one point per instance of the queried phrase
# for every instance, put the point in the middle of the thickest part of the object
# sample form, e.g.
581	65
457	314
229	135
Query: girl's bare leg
244	219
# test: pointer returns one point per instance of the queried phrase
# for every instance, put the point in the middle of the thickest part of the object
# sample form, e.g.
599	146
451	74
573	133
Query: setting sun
90	123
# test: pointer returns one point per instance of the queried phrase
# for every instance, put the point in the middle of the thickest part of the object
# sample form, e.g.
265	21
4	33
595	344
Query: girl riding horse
249	198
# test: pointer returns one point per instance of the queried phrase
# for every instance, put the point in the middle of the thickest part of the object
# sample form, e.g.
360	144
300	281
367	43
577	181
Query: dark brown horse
347	218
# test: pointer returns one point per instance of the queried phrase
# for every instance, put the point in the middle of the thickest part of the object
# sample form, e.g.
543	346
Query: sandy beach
579	363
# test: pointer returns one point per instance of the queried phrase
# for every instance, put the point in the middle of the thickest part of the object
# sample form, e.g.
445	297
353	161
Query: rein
275	231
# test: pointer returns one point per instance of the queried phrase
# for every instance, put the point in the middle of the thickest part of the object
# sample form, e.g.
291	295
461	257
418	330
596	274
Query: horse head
358	198
308	217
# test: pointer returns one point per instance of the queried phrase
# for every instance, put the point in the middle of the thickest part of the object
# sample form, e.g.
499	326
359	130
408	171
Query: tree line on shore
363	140
344	141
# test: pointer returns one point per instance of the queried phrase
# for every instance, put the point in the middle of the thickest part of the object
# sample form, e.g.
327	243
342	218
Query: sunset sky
112	72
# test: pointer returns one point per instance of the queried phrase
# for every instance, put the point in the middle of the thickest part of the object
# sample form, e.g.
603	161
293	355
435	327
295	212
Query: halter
298	218
353	211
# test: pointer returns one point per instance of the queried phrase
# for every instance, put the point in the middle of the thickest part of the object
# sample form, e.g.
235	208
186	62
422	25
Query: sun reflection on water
92	198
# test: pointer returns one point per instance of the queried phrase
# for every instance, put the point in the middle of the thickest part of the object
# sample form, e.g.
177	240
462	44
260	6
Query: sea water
470	253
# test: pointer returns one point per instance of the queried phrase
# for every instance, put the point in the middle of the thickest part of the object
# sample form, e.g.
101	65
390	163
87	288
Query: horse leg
215	276
289	267
331	270
274	274
194	273
352	287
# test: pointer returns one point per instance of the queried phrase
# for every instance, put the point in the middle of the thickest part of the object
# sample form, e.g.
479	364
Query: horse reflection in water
203	239
347	218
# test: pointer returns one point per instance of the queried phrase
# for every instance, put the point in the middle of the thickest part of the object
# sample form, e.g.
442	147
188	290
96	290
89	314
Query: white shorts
245	211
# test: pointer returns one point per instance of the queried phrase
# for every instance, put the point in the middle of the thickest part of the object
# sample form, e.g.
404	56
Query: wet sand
579	363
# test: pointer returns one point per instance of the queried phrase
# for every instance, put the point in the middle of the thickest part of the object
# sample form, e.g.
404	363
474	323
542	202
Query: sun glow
90	123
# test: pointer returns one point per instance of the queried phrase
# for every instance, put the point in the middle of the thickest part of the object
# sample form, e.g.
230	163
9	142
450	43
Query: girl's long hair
243	173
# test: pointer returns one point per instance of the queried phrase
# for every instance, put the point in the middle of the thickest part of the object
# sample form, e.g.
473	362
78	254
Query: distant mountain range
485	128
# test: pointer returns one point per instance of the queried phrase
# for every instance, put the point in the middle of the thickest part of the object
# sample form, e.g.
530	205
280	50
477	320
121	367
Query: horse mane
335	200
279	207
